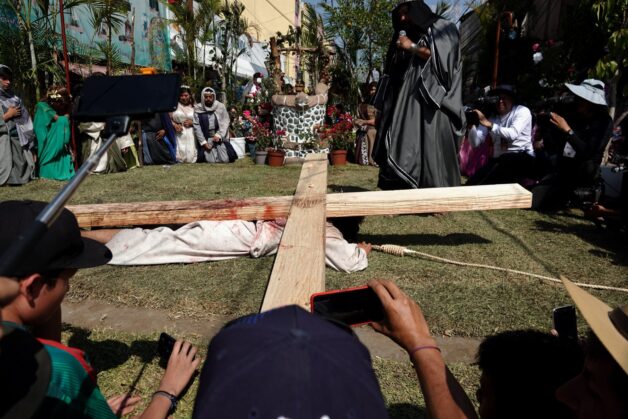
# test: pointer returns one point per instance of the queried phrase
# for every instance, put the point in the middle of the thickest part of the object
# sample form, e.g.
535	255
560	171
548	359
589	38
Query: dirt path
92	314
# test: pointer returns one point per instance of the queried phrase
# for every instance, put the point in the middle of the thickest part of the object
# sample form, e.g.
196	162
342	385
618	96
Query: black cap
5	71
287	362
507	89
62	247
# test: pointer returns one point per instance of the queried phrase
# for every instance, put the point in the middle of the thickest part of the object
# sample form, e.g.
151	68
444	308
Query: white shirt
511	133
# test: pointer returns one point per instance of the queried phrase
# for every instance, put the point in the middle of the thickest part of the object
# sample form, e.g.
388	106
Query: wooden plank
299	269
411	201
180	212
419	201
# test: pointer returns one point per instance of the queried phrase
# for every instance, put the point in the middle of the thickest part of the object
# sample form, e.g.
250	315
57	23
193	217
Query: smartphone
352	306
165	344
565	322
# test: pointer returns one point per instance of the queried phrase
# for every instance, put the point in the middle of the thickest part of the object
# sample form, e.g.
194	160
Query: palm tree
30	47
313	36
109	14
193	25
232	27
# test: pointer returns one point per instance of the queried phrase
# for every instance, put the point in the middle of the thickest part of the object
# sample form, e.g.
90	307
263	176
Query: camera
560	104
485	104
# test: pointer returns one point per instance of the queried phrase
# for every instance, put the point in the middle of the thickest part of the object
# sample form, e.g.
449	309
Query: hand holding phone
403	319
565	322
165	344
352	306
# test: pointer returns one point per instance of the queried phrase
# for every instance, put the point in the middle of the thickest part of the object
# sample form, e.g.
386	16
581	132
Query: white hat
610	326
591	90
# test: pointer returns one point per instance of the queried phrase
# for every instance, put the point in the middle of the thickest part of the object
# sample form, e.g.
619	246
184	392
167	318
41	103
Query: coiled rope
402	251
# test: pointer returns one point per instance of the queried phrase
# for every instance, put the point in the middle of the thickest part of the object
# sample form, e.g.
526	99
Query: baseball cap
507	89
61	247
609	325
287	363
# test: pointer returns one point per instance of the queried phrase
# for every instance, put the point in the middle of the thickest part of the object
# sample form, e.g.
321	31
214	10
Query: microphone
402	33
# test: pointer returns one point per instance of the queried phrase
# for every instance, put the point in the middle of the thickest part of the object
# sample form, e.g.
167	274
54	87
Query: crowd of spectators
302	365
555	153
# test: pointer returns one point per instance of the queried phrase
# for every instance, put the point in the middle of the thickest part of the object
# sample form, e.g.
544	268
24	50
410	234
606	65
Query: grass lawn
456	301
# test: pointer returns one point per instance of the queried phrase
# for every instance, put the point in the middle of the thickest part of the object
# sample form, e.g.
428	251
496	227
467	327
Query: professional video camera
485	104
561	104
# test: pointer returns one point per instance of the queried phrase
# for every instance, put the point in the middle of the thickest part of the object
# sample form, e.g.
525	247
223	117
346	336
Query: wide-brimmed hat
61	247
609	325
287	363
591	90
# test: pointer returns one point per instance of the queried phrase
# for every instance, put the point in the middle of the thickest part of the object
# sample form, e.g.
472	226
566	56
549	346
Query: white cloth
186	142
511	133
204	241
93	131
124	141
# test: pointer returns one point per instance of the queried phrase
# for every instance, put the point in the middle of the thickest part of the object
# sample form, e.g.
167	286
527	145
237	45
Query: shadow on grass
406	411
108	354
453	239
613	244
523	245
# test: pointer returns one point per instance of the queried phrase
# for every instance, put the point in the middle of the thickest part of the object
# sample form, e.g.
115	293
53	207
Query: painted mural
152	47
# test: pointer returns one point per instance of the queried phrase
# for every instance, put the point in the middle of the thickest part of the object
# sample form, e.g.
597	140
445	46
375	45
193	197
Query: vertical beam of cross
299	269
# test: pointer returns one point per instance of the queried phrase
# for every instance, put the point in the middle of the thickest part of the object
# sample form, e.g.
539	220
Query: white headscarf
201	107
23	123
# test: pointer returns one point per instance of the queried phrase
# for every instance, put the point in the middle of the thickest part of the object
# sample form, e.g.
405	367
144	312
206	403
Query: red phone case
337	292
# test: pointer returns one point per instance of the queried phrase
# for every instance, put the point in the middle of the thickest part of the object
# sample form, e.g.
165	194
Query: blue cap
287	363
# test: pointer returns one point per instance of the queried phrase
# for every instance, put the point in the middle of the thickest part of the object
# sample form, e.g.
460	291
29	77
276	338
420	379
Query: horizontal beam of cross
412	201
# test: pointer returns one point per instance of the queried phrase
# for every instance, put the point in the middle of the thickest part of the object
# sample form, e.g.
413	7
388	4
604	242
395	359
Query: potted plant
263	140
310	141
276	154
341	138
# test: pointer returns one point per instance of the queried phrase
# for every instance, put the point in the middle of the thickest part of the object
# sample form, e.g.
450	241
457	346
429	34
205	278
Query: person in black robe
159	140
419	98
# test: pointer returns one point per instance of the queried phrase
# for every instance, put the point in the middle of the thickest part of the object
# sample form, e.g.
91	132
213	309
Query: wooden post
413	201
299	269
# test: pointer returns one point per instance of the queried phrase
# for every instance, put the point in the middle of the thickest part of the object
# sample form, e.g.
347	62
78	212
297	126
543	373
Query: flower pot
338	157
276	158
260	156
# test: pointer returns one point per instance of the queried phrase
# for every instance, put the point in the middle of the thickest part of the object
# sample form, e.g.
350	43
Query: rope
402	251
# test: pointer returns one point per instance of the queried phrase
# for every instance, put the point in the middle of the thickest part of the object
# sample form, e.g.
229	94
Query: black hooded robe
422	119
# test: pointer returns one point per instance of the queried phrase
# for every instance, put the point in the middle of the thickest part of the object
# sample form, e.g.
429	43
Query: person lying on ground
204	241
43	280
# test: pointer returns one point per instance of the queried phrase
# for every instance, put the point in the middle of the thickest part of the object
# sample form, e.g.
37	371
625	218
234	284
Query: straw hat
591	90
610	326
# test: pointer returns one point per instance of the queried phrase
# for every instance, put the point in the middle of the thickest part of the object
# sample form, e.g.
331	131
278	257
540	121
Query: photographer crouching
574	144
510	130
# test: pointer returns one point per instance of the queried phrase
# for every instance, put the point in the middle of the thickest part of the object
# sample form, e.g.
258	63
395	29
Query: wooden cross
299	268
